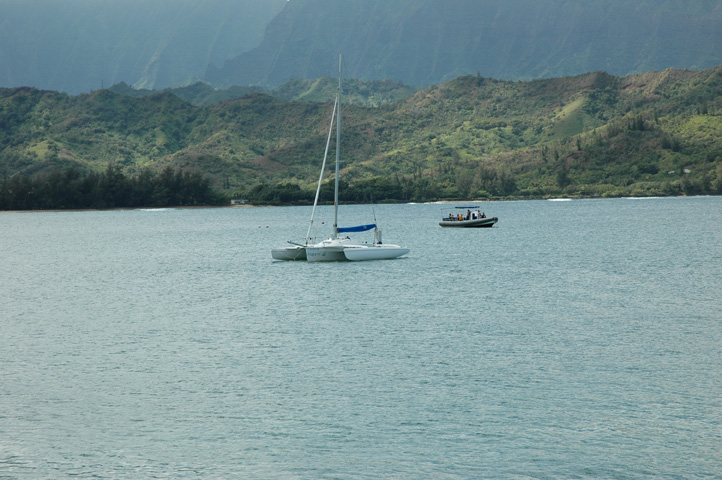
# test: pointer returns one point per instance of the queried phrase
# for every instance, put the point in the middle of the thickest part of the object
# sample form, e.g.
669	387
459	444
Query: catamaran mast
338	149
323	168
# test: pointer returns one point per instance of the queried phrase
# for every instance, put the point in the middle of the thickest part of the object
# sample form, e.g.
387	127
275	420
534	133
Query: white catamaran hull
289	253
340	249
325	254
330	250
374	252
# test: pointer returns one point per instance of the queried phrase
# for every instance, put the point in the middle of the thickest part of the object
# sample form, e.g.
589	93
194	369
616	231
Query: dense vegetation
69	188
658	133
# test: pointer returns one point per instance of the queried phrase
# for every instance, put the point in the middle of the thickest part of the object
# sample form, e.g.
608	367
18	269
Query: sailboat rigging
297	251
336	247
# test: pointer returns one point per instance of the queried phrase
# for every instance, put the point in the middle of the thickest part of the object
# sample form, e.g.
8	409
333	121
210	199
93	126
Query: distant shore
250	205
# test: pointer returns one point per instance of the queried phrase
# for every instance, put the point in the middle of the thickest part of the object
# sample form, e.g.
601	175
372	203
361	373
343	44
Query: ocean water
576	339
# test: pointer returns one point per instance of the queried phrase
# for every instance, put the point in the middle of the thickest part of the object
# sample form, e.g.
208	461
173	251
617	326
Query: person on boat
483	215
468	214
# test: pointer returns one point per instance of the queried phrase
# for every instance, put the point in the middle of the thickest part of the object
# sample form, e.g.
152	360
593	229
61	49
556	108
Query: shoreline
438	202
120	209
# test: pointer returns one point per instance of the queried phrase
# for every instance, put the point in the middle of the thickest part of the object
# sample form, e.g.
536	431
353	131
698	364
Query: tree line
381	190
72	189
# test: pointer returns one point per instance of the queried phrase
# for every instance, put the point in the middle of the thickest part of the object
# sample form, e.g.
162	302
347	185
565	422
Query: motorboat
472	219
487	222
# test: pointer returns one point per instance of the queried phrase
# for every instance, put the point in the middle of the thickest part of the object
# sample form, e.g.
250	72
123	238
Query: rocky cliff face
76	46
420	42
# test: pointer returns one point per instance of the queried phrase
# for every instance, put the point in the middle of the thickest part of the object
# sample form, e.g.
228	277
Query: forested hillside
657	133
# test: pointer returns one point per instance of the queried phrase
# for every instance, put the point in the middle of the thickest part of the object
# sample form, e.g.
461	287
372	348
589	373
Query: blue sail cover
360	228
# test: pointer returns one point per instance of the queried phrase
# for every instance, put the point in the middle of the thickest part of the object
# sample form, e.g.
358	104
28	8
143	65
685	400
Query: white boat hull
289	253
325	254
330	250
374	252
341	249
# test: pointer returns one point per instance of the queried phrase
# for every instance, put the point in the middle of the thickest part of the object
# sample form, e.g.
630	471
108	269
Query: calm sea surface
577	339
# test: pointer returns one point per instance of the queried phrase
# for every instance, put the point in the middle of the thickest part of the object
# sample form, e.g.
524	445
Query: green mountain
657	133
423	42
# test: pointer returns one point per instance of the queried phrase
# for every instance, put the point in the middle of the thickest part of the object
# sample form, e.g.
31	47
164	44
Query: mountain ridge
79	46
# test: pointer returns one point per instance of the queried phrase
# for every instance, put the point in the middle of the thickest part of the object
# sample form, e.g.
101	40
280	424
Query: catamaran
339	247
297	251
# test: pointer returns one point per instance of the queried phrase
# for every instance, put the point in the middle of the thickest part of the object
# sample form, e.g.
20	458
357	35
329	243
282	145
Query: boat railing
463	218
